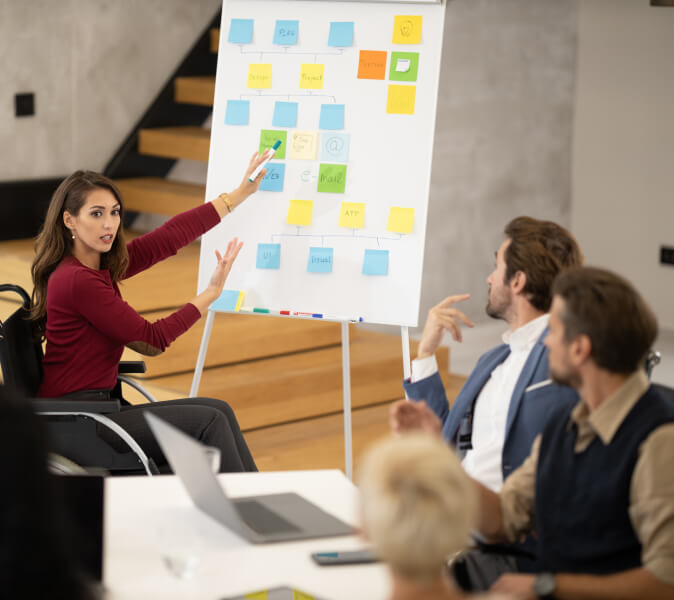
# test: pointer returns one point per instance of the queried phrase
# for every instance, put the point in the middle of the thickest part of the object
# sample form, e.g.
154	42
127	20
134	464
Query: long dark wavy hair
54	242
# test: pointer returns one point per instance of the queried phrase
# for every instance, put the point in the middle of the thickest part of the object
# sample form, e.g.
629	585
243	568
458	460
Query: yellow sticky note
303	145
259	76
400	99
257	595
400	220
407	29
311	77
297	595
300	212
352	215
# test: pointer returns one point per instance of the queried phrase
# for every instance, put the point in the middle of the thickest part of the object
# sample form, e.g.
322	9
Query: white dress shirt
483	462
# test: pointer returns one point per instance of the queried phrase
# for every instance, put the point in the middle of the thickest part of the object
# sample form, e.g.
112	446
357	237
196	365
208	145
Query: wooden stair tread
187	142
215	40
195	90
160	196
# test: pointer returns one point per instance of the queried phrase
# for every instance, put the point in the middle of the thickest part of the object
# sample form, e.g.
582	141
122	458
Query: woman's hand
246	188
217	282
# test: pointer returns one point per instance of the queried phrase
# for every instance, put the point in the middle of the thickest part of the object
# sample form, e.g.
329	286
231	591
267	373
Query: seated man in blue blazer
509	396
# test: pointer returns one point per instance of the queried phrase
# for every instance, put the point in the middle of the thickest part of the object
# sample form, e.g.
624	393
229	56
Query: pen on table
270	154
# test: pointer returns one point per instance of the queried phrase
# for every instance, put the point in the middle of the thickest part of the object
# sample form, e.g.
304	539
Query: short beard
569	380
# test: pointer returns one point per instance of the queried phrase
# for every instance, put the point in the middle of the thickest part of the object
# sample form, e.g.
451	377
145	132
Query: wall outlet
667	255
24	104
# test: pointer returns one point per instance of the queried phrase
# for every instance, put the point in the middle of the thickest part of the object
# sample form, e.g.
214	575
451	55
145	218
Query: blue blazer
528	411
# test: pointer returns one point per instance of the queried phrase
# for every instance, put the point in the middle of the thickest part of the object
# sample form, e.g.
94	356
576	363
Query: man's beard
568	379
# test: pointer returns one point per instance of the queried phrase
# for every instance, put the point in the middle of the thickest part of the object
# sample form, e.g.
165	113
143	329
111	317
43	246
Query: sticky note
352	215
332	178
285	33
302	145
300	212
341	34
400	220
268	137
372	64
335	147
311	76
230	300
404	66
285	114
400	99
268	256
320	260
273	180
237	112
332	116
240	31
259	76
262	595
407	29
375	262
297	595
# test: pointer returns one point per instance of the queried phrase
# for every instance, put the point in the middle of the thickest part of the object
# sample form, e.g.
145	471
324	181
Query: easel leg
201	359
346	388
407	370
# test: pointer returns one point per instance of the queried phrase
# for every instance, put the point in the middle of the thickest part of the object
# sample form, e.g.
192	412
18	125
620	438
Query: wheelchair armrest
132	366
53	405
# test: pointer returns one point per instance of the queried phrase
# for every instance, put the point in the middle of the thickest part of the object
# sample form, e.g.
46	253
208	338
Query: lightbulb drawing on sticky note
403	65
300	212
407	29
400	220
352	215
302	145
259	76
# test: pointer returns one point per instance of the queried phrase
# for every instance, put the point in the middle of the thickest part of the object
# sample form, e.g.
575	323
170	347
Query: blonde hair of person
417	504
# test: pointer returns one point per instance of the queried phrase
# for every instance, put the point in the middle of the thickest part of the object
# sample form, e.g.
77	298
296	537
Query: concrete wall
623	166
94	65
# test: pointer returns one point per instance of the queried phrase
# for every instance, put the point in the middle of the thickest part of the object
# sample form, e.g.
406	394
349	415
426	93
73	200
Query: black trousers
208	420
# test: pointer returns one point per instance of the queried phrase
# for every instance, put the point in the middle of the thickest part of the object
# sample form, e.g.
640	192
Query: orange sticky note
259	76
407	29
372	64
400	99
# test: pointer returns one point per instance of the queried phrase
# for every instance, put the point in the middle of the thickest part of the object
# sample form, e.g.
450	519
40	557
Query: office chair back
20	354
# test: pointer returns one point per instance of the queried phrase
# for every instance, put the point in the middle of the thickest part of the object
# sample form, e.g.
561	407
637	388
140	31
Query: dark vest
582	500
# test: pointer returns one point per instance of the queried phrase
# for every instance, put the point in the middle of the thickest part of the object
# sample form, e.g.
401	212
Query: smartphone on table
344	557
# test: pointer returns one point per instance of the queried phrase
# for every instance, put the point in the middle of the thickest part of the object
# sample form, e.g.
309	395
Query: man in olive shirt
598	486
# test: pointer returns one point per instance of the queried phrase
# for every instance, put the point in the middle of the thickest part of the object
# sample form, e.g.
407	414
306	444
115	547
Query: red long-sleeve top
88	322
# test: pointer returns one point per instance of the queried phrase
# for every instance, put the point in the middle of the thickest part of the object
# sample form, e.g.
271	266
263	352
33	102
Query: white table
148	518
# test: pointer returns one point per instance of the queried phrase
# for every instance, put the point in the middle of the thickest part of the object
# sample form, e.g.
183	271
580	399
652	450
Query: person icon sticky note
400	100
372	64
302	145
320	260
352	215
268	256
375	262
400	220
331	178
259	76
407	29
300	212
404	66
311	76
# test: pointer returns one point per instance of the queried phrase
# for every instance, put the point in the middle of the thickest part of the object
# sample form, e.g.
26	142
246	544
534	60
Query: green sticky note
404	66
268	138
332	178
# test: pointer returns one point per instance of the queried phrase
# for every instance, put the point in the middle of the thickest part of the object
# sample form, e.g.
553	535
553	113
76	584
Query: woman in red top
81	256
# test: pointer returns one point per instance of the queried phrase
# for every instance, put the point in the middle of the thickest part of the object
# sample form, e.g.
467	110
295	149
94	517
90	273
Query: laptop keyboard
259	518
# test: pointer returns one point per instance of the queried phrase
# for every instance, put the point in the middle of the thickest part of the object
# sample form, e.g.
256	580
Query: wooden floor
291	415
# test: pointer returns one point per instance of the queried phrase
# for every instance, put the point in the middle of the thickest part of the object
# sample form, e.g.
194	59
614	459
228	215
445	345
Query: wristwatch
544	586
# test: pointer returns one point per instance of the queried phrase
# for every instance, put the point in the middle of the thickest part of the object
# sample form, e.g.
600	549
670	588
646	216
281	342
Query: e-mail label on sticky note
372	64
332	116
273	180
240	31
302	145
332	178
268	256
341	34
237	112
352	215
259	76
320	260
311	76
375	262
400	220
400	99
407	29
300	212
285	33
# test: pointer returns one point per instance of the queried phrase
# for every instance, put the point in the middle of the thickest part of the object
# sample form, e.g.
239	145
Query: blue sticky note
273	180
320	260
228	300
335	147
285	33
268	256
375	262
285	114
332	116
240	31
238	112
341	34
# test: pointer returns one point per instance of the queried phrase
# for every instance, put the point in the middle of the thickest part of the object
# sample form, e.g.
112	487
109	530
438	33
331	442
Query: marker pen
270	154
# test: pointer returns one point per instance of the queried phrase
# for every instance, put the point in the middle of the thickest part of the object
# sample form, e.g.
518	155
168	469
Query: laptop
258	519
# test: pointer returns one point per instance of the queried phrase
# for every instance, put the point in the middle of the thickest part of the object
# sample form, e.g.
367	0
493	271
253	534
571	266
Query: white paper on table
403	65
